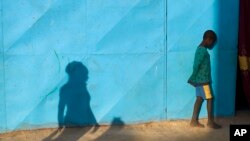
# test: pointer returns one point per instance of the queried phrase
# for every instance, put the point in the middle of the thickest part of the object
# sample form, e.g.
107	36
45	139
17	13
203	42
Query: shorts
204	91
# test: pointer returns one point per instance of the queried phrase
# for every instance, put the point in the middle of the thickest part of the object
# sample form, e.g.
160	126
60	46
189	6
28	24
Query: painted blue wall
2	93
88	61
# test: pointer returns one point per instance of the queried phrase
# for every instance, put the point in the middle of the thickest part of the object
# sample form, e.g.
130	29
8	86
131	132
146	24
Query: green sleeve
199	57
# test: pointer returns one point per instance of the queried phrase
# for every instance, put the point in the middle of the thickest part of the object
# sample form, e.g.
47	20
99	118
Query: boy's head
209	38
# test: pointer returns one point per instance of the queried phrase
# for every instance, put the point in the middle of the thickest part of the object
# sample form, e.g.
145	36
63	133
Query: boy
201	80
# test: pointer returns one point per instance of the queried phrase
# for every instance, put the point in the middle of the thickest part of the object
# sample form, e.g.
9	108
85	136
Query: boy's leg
211	122
197	106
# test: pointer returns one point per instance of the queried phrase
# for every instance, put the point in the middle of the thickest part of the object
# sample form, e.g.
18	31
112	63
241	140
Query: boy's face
209	43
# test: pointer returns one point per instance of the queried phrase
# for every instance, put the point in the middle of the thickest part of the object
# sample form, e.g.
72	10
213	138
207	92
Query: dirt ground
177	130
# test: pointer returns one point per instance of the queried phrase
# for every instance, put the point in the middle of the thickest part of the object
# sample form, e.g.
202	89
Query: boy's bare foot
196	124
213	125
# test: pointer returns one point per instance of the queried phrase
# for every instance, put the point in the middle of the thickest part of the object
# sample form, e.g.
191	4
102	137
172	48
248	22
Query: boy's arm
199	57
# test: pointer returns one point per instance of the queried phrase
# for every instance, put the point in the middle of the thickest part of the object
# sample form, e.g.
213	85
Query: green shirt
201	69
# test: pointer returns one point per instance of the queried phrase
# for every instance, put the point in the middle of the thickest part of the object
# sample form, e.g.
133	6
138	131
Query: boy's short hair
210	34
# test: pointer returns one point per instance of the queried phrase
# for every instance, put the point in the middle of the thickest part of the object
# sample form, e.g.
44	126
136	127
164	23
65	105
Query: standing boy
201	80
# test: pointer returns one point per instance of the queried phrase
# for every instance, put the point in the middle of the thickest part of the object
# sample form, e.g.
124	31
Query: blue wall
89	61
2	93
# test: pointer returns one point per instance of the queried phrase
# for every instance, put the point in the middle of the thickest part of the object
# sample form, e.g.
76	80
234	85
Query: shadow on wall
226	58
74	103
74	98
113	132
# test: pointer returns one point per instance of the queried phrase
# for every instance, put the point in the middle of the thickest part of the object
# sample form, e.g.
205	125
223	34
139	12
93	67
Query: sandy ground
178	130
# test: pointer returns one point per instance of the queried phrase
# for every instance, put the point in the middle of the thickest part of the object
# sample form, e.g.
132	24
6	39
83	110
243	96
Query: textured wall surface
65	62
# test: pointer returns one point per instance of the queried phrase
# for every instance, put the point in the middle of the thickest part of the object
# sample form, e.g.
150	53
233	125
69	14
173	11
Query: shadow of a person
116	132
74	104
